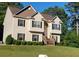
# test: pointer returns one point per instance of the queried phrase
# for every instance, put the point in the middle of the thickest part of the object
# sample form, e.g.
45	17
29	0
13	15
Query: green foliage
29	43
9	40
72	8
34	43
14	42
18	42
23	42
71	39
40	43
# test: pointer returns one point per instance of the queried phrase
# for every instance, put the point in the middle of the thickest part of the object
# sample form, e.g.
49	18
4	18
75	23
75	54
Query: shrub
34	43
14	41
23	42
71	39
40	43
9	39
18	42
29	43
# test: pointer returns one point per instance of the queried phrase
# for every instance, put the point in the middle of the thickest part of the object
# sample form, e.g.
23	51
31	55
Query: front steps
48	41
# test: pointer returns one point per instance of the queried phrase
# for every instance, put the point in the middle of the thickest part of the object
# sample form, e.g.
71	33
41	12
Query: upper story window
21	36
56	26
35	37
37	24
21	22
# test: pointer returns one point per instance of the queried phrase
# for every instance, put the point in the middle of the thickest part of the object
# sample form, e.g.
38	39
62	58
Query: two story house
29	25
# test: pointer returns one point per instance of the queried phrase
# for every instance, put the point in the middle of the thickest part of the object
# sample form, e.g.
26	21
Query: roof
25	12
48	17
14	9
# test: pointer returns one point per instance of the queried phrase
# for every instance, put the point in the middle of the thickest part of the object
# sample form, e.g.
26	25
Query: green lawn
29	51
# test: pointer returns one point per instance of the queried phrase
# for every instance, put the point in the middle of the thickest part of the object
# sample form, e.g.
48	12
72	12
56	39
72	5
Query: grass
29	51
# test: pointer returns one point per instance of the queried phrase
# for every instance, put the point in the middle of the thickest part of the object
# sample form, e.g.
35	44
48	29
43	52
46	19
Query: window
37	24
56	26
21	22
21	36
35	37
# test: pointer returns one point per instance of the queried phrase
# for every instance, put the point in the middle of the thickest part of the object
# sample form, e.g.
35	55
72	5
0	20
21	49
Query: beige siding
38	17
51	31
56	21
7	24
15	29
57	38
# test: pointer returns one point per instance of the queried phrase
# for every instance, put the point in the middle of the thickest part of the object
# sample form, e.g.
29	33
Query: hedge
10	40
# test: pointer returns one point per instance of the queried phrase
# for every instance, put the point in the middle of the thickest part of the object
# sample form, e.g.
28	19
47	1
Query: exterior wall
26	30
38	17
49	30
57	38
56	21
18	29
11	27
55	33
7	24
40	36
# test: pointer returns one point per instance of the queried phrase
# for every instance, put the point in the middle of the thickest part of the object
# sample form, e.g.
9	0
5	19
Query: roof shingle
24	12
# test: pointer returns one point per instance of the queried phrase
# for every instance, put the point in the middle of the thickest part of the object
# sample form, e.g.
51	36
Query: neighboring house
29	25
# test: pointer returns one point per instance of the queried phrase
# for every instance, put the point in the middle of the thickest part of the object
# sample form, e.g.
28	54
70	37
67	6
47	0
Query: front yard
28	51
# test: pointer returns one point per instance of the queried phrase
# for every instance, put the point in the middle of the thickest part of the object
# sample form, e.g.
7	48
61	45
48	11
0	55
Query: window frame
37	24
56	26
33	39
21	23
23	36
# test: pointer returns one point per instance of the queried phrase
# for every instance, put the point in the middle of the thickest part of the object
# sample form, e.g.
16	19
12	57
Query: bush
23	42
18	42
34	43
14	41
29	43
71	39
40	43
9	39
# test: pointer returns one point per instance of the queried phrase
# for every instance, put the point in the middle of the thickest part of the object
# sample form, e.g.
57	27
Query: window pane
21	36
56	26
37	24
35	37
21	22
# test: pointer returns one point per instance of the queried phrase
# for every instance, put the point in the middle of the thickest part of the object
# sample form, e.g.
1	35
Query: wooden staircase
47	41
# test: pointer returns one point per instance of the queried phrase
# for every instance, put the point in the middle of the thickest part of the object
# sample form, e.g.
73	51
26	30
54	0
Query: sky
40	6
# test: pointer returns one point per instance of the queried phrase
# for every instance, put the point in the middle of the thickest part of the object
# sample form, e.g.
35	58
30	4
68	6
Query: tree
60	12
3	7
72	8
71	39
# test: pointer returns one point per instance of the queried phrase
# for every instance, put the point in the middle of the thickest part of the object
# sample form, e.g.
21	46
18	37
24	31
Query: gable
8	16
38	16
26	12
57	20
